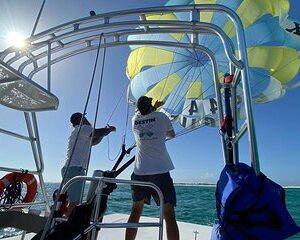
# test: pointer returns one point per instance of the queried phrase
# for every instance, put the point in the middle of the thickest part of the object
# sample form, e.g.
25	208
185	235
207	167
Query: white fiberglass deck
187	230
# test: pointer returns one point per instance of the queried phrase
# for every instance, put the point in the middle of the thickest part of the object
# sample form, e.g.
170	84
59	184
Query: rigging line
181	133
116	106
179	85
175	97
123	137
192	83
186	65
198	97
126	122
112	159
98	95
201	94
185	131
53	209
168	75
38	18
204	68
170	49
166	50
143	72
157	74
189	131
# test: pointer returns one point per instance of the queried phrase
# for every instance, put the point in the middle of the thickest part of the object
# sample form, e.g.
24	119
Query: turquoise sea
195	204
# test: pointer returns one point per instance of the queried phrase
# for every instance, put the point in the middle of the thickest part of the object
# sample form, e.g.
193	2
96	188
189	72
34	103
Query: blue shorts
163	181
75	190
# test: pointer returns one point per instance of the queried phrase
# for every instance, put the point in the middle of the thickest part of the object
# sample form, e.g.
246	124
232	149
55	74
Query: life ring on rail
26	178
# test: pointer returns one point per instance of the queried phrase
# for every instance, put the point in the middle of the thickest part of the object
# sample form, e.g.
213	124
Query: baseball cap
144	103
75	116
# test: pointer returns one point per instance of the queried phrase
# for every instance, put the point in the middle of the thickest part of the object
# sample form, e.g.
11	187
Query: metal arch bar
189	28
119	43
229	52
118	14
243	55
176	44
165	23
205	7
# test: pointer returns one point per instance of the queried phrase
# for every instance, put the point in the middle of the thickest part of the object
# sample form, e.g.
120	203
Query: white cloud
208	176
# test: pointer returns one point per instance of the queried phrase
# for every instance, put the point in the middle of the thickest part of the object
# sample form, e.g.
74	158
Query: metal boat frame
82	35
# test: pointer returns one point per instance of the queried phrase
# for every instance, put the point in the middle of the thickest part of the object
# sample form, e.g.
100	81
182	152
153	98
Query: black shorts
163	181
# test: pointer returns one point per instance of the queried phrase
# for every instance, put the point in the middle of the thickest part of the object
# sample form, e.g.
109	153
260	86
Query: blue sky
197	156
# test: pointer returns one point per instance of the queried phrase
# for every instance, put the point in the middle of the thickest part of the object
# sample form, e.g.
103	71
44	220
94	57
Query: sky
197	156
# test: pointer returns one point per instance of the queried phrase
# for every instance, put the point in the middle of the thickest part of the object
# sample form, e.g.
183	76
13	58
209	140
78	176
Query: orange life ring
26	178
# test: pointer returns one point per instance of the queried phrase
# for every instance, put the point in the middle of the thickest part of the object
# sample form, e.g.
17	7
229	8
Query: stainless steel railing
95	223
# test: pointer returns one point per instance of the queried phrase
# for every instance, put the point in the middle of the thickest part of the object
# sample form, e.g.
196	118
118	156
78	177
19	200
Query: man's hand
111	128
158	104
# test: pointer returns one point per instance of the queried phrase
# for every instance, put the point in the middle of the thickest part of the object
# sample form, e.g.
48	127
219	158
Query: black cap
75	117
144	104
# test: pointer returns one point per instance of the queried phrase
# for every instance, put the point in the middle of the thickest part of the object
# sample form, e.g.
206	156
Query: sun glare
16	39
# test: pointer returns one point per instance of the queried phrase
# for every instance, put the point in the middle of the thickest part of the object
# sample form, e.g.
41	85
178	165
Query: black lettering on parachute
295	30
194	108
213	105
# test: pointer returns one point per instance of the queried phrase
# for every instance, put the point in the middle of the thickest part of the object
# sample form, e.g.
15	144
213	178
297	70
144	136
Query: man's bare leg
171	224
136	212
70	208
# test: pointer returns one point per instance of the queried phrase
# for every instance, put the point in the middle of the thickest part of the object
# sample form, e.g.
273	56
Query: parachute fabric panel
251	10
146	57
164	88
166	16
250	207
273	45
275	59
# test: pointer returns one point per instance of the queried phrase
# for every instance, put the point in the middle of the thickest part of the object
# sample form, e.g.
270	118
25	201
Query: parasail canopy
183	78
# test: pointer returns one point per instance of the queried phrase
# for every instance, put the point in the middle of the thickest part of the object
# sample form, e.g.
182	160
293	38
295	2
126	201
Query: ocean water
195	204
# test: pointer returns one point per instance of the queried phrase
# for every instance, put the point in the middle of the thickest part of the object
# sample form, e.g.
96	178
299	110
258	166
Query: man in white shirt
152	164
79	155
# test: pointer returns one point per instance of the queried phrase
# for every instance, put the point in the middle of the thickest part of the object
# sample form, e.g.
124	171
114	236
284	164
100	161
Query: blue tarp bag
250	207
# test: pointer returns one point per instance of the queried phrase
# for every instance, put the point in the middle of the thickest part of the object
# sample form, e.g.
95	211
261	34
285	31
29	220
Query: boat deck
187	230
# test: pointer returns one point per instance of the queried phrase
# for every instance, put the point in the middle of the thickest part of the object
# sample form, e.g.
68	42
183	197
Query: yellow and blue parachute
182	78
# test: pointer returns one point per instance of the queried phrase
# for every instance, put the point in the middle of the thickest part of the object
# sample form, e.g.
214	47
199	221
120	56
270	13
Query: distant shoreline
214	185
196	184
206	185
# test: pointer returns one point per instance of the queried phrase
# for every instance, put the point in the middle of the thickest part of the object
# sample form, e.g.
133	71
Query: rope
125	131
99	89
50	218
38	18
125	128
13	192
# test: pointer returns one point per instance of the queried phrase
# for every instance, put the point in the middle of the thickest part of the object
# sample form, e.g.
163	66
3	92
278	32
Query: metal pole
38	18
41	161
49	68
241	42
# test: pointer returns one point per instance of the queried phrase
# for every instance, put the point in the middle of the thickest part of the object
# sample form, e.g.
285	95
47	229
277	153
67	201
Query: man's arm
99	133
170	134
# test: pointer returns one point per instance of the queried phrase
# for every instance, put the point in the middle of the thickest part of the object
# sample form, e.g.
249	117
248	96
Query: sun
16	39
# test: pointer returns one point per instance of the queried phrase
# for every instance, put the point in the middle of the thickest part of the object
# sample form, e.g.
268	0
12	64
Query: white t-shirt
83	145
150	134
